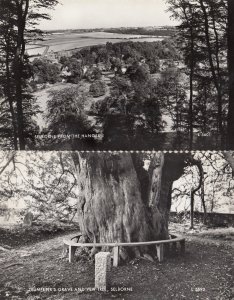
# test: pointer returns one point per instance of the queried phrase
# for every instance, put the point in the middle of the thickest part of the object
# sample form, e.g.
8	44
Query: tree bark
194	190
22	11
119	201
189	20
203	203
10	100
213	68
231	73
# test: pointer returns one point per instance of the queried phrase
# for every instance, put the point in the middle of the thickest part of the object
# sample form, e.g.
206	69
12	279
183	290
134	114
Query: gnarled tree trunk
121	201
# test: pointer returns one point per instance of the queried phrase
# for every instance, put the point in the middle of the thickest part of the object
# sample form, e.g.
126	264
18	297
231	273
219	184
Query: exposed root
12	265
148	257
4	249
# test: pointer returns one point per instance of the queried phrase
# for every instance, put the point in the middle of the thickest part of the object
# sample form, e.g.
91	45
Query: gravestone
102	270
28	219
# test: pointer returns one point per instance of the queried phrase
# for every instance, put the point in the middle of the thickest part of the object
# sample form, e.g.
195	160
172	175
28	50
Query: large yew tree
122	201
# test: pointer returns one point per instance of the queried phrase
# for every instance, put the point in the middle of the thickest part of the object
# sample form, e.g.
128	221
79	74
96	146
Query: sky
75	14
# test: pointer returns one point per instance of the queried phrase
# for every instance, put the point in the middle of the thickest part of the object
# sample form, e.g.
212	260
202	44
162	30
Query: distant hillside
156	31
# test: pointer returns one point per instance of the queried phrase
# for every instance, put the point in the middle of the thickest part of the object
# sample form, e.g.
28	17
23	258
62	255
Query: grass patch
26	235
218	233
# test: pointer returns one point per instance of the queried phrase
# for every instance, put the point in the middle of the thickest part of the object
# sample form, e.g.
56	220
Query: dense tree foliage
45	71
73	67
166	31
130	52
134	99
18	19
230	35
93	74
203	40
42	183
65	112
97	88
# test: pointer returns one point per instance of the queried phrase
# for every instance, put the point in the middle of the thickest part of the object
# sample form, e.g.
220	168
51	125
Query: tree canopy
18	21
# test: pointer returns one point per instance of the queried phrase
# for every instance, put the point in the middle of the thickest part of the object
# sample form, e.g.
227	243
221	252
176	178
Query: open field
68	41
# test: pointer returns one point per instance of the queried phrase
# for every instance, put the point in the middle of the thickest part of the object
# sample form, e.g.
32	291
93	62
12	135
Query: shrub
98	88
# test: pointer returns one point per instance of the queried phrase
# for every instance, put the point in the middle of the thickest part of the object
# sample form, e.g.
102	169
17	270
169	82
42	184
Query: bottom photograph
116	225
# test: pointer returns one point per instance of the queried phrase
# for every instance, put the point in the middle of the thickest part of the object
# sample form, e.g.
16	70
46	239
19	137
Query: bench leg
116	256
182	247
160	252
72	251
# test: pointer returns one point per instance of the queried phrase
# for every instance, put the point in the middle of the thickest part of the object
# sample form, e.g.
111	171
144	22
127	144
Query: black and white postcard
116	75
116	149
78	225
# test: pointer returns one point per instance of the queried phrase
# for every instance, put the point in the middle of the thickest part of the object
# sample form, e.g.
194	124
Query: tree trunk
213	69
195	189
10	100
191	209
189	21
120	201
191	75
231	73
22	12
203	203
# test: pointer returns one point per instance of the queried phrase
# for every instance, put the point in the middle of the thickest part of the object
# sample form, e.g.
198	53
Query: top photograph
116	75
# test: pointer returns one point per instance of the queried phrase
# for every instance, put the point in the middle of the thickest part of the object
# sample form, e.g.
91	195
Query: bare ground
204	272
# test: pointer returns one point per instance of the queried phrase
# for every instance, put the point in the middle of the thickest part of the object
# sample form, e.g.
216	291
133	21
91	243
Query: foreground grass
17	236
219	233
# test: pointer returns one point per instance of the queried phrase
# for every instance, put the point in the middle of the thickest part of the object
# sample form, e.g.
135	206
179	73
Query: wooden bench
72	246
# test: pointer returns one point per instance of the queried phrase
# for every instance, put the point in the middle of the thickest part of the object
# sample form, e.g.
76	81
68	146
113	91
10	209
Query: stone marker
102	270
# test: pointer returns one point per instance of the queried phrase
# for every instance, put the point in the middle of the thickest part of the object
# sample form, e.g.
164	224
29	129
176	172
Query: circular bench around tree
72	246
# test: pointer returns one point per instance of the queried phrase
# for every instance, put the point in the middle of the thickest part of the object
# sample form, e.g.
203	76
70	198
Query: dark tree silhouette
204	47
18	19
231	73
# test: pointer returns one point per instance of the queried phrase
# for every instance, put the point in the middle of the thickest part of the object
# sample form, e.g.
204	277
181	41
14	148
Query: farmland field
68	41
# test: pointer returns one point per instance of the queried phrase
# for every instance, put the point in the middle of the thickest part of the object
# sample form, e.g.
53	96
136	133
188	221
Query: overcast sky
107	13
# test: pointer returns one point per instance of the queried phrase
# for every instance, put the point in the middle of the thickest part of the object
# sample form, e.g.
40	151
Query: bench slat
159	249
71	243
72	251
158	244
